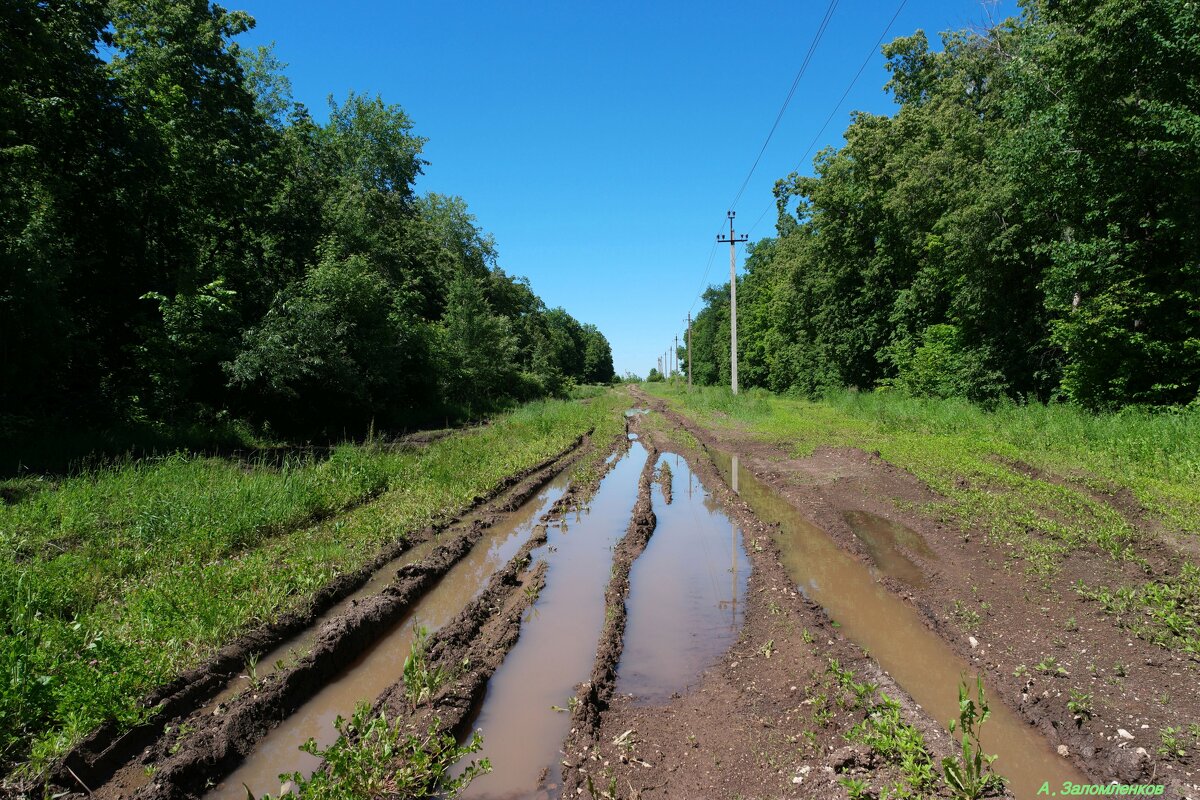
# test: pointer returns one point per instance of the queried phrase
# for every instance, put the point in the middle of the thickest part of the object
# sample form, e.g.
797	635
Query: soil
768	719
111	764
731	736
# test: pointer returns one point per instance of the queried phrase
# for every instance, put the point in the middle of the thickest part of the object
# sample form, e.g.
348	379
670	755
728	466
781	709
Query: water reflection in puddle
383	664
522	731
685	591
895	635
884	541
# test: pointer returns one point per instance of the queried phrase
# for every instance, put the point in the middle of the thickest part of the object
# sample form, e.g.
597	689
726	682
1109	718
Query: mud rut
744	712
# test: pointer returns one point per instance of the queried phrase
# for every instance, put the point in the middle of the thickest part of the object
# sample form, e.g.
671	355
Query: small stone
1124	734
1063	751
974	642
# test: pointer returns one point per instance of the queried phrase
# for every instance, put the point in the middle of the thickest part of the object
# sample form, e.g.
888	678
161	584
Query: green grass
1165	612
976	460
114	582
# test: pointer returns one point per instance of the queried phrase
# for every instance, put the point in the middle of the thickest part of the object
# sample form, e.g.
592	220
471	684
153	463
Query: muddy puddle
383	664
893	632
524	716
686	590
886	542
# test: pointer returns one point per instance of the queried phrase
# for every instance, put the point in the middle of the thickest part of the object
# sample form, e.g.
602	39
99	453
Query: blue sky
602	143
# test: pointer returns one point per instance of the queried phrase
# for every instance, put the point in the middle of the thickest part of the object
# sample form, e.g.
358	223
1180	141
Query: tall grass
119	580
980	460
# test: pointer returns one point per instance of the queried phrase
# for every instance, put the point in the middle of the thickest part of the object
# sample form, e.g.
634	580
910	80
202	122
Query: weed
1171	744
1165	612
969	775
1020	671
1121	670
1080	705
856	788
897	742
1049	666
774	609
768	649
373	757
421	680
252	671
967	618
806	636
608	793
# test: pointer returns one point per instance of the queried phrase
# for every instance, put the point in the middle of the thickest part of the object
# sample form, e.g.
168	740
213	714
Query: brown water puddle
884	541
685	591
522	732
893	632
383	664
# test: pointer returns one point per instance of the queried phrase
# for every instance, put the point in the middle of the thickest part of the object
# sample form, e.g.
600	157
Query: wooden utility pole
689	349
675	353
733	241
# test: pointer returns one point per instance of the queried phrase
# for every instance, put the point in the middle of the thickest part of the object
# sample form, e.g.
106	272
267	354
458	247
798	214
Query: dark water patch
886	541
383	664
686	591
524	716
894	633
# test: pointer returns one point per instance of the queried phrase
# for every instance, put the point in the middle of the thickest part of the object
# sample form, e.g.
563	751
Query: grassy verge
115	582
1042	481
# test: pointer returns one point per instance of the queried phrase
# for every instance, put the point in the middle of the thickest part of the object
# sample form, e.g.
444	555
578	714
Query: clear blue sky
602	143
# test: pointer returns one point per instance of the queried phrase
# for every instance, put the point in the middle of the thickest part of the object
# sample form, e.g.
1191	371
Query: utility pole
675	353
733	241
689	349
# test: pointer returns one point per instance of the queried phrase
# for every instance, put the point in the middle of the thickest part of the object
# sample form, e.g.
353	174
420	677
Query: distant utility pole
689	349
675	353
733	241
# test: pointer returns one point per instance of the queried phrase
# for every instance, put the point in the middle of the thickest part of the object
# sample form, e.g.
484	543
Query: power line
870	54
812	48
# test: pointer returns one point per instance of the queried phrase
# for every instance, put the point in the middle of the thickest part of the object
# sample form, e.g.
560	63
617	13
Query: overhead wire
838	105
812	48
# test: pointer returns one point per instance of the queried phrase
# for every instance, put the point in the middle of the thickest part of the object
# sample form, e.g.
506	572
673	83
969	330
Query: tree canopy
181	242
1027	224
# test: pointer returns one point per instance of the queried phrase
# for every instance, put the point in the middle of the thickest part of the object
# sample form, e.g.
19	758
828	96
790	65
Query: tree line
181	242
1025	225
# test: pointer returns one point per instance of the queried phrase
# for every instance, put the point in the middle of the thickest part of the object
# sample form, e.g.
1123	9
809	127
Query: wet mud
687	590
382	664
114	765
894	632
735	731
525	712
999	621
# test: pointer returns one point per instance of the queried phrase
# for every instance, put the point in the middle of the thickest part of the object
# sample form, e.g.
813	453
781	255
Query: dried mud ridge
1020	621
217	742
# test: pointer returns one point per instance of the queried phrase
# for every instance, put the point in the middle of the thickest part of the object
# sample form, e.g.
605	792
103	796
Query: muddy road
671	613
